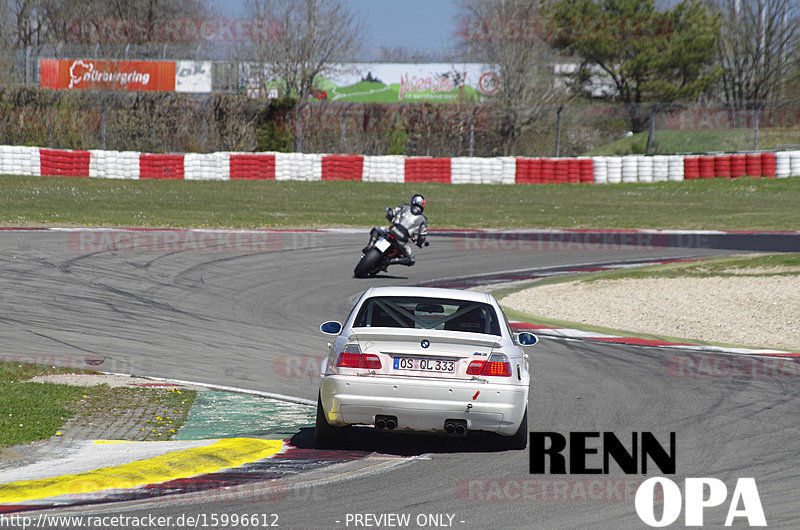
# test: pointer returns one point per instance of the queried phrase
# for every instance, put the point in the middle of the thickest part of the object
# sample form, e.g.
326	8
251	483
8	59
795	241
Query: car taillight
498	365
475	367
351	360
372	360
351	357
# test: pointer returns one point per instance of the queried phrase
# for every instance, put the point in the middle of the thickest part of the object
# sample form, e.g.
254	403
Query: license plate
424	364
382	245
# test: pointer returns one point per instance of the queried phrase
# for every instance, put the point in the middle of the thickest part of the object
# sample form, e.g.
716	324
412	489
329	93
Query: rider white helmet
418	201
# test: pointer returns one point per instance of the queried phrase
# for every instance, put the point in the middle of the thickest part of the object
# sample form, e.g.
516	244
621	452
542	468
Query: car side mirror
331	328
527	339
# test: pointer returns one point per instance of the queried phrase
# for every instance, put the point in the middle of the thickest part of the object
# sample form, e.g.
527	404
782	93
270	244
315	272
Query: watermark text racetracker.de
166	241
202	520
703	365
573	240
602	489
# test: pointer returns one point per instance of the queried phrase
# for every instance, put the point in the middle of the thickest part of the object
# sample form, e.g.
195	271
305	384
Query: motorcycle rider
409	216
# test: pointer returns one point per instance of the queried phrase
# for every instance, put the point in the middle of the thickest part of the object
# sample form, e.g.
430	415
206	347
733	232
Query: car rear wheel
520	438
325	434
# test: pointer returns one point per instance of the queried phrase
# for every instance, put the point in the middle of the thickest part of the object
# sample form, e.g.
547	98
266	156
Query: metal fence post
558	128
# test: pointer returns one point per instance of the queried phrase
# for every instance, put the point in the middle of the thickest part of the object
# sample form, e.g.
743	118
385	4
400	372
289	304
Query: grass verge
35	411
724	204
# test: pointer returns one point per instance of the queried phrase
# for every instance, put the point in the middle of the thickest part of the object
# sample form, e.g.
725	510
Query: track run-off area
242	309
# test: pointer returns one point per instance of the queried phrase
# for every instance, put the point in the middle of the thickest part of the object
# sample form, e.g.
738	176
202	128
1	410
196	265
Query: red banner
86	74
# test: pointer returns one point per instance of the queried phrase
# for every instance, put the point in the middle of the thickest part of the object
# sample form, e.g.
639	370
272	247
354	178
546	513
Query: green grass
32	411
36	411
725	140
741	204
361	86
736	265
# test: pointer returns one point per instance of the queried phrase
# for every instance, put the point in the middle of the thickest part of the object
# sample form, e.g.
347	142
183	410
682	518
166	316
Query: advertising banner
396	83
193	76
87	74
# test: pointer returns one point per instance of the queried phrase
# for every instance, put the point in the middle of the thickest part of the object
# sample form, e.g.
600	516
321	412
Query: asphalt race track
221	312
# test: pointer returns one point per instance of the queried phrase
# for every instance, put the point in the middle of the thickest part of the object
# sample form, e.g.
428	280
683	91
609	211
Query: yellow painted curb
226	453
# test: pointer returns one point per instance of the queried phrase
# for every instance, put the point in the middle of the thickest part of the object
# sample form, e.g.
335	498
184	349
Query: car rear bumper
423	404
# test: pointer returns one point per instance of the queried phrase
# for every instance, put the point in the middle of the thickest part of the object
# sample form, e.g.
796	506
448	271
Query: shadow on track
403	444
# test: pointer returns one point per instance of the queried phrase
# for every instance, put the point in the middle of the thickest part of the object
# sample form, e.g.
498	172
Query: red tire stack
706	167
753	164
738	166
722	166
252	167
529	171
691	167
57	163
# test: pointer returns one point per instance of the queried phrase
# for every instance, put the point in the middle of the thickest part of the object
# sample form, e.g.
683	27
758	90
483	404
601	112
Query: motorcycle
386	247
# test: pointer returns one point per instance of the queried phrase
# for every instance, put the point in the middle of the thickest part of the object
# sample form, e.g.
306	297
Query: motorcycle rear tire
369	264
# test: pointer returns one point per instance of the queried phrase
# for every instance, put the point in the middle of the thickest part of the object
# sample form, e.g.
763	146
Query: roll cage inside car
428	313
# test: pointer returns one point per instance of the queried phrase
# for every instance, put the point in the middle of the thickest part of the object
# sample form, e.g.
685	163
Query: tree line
739	53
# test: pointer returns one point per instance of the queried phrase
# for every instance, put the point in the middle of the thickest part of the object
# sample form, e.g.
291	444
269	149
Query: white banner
193	76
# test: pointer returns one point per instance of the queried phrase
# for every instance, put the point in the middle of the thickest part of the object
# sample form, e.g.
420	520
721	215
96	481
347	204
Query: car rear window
428	313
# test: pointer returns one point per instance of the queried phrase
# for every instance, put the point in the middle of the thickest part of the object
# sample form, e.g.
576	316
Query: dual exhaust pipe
455	427
385	422
451	427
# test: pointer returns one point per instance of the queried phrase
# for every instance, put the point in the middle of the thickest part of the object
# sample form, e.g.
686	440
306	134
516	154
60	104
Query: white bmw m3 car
429	360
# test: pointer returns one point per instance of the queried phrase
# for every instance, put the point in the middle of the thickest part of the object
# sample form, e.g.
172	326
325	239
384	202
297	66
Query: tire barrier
660	168
34	161
614	164
691	167
706	167
645	169
753	165
586	165
114	164
768	164
245	166
425	169
600	173
342	167
783	162
390	168
529	171
794	163
738	166
675	166
467	170
723	166
167	167
56	163
206	166
548	171
298	166
20	160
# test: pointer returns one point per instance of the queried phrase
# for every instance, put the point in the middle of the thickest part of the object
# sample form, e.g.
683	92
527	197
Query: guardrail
35	161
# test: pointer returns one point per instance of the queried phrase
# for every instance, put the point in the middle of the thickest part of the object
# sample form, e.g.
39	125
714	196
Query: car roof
430	292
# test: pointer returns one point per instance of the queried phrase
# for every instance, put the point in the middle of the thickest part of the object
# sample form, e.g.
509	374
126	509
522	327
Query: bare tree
316	37
757	45
495	33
